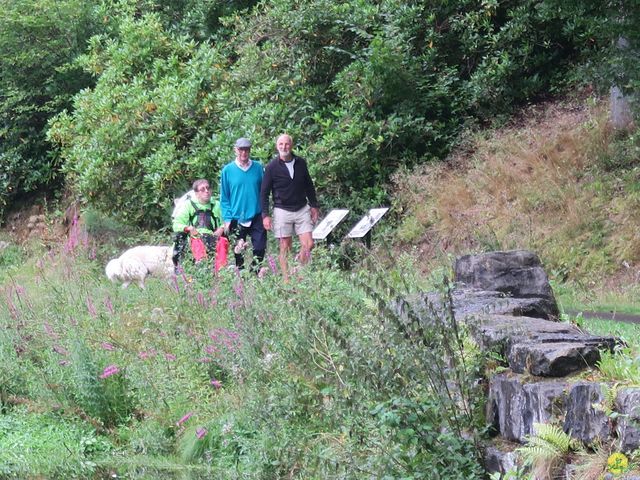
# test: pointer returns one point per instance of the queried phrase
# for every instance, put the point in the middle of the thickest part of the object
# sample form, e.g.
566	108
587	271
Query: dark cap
243	143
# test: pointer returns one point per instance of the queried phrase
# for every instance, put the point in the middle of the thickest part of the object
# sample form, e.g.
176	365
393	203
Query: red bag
198	249
222	251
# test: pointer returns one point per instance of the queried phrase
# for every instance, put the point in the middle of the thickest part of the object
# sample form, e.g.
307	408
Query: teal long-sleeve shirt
240	192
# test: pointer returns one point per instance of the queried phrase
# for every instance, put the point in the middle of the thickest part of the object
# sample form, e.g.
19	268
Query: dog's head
114	270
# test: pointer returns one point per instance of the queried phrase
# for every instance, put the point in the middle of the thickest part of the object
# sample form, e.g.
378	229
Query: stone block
584	421
628	423
514	406
517	273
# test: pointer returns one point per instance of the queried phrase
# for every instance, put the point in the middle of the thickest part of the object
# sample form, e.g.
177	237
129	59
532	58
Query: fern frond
548	445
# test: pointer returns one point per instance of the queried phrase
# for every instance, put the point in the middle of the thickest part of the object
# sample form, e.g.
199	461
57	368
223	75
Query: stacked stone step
506	299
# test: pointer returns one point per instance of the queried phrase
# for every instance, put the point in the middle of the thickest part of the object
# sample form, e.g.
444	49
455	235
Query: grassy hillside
556	180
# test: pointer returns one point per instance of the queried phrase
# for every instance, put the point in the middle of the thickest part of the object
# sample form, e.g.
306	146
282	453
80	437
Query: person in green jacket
198	217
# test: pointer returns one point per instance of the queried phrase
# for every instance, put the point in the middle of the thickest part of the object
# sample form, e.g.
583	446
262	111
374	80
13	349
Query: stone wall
506	299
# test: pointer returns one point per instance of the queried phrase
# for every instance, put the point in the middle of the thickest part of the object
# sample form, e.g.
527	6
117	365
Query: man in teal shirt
240	182
199	217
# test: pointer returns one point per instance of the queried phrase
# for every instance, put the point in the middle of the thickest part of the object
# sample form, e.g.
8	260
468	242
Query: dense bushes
364	87
37	41
163	88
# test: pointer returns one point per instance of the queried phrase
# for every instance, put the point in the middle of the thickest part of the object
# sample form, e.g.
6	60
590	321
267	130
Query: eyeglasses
204	189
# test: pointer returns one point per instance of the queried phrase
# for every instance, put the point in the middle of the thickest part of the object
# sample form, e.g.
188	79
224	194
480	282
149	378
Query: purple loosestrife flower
169	357
213	293
201	432
107	346
200	300
272	264
91	308
60	350
175	284
109	370
211	349
148	354
184	419
108	305
216	383
13	310
84	238
72	239
49	331
238	287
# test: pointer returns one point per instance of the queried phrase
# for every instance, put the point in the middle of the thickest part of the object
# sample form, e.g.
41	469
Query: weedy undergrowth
339	374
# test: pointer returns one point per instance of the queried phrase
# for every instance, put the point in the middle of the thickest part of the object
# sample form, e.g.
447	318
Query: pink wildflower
107	346
49	330
145	355
272	264
91	308
239	289
211	349
108	305
174	283
72	240
110	370
60	350
200	300
216	383
201	432
170	357
184	419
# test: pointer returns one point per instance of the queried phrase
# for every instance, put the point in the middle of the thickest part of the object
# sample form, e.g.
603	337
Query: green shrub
620	366
10	256
45	445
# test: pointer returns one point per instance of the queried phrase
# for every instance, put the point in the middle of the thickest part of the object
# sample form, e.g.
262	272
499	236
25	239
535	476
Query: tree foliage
38	39
364	87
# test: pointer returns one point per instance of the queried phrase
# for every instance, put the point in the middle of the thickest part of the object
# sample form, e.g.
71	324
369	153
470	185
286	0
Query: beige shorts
286	223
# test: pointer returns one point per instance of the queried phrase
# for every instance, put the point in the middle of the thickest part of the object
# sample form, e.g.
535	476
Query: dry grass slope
537	184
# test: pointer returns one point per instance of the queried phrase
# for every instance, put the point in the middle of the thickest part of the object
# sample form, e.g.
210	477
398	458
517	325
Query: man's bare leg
306	245
285	247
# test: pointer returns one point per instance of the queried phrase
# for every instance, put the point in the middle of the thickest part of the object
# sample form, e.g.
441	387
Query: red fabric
198	249
222	251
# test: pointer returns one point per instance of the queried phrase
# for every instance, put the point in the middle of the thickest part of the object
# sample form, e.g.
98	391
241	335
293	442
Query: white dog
137	263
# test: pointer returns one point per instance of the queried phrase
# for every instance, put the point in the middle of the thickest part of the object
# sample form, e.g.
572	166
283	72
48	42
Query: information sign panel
328	223
367	222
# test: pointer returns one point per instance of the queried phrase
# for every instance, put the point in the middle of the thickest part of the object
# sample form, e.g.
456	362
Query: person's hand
266	223
315	213
191	230
218	232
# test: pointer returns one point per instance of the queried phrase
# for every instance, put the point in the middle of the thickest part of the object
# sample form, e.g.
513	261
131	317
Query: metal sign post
366	223
325	227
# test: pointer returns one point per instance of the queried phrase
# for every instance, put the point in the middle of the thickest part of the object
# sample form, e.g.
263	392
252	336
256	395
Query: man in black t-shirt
295	207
